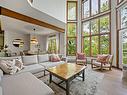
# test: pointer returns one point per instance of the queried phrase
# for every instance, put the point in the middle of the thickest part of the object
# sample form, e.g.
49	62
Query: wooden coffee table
66	72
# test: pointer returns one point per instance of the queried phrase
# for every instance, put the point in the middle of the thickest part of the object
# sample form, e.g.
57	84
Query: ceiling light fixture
34	39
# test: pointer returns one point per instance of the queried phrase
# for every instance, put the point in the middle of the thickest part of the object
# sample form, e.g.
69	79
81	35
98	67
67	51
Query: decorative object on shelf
34	39
18	43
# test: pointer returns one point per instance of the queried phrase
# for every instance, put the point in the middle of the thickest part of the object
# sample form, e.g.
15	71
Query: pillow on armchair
81	56
102	58
54	58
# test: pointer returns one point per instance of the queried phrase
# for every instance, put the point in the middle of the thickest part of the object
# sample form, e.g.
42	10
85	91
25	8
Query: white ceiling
24	7
11	24
54	8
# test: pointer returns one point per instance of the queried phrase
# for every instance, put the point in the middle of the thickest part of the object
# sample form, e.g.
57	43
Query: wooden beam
12	14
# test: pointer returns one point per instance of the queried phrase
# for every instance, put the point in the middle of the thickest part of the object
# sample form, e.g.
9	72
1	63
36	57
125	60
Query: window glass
86	9
104	24
94	5
71	29
104	5
124	41
124	17
86	47
94	26
104	44
72	11
94	45
52	47
71	50
86	28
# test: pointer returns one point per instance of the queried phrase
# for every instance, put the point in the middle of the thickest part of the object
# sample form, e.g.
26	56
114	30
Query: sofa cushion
1	93
25	84
51	64
35	68
43	58
28	60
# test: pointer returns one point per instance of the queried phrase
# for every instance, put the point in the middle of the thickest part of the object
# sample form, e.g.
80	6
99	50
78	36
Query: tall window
71	27
52	46
96	30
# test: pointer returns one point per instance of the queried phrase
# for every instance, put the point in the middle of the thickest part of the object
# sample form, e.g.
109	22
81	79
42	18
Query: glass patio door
123	47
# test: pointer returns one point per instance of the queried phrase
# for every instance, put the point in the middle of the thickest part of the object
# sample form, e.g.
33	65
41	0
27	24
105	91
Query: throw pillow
19	64
102	58
81	56
8	67
55	58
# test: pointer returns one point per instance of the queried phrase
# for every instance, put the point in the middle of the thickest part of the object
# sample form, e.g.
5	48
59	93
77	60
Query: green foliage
71	29
95	45
94	26
104	6
104	44
87	46
52	47
71	46
104	24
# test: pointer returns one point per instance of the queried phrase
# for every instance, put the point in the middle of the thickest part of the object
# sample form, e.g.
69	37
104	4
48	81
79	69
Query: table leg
50	80
67	87
83	75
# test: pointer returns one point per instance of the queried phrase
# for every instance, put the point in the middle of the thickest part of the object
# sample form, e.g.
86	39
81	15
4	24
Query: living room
63	47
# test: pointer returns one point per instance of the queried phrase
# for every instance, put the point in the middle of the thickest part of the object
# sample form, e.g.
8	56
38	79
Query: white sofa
24	82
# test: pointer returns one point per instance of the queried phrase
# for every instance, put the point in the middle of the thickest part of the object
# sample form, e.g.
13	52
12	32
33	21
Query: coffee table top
66	70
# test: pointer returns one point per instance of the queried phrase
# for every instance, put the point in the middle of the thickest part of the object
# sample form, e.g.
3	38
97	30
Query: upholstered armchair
105	63
81	59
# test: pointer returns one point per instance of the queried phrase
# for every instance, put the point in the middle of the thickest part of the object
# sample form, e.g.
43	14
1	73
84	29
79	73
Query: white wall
11	35
42	41
54	8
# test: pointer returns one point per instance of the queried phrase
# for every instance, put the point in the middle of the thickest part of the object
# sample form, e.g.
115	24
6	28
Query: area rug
77	86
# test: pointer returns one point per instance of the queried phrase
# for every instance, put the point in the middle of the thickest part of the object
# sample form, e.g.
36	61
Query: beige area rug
77	86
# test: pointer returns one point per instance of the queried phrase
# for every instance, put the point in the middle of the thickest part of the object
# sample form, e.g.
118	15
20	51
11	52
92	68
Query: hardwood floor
112	83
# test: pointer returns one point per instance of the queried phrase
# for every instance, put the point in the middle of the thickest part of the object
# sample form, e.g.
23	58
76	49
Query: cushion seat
35	68
24	84
78	60
51	64
99	64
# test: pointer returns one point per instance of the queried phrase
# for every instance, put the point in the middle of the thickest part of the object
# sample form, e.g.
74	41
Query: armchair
107	64
81	59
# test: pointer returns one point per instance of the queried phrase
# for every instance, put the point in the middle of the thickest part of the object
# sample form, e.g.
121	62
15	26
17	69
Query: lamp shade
34	40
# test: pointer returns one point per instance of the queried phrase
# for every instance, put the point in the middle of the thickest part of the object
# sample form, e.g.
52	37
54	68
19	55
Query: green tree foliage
95	45
71	29
87	46
104	5
71	46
